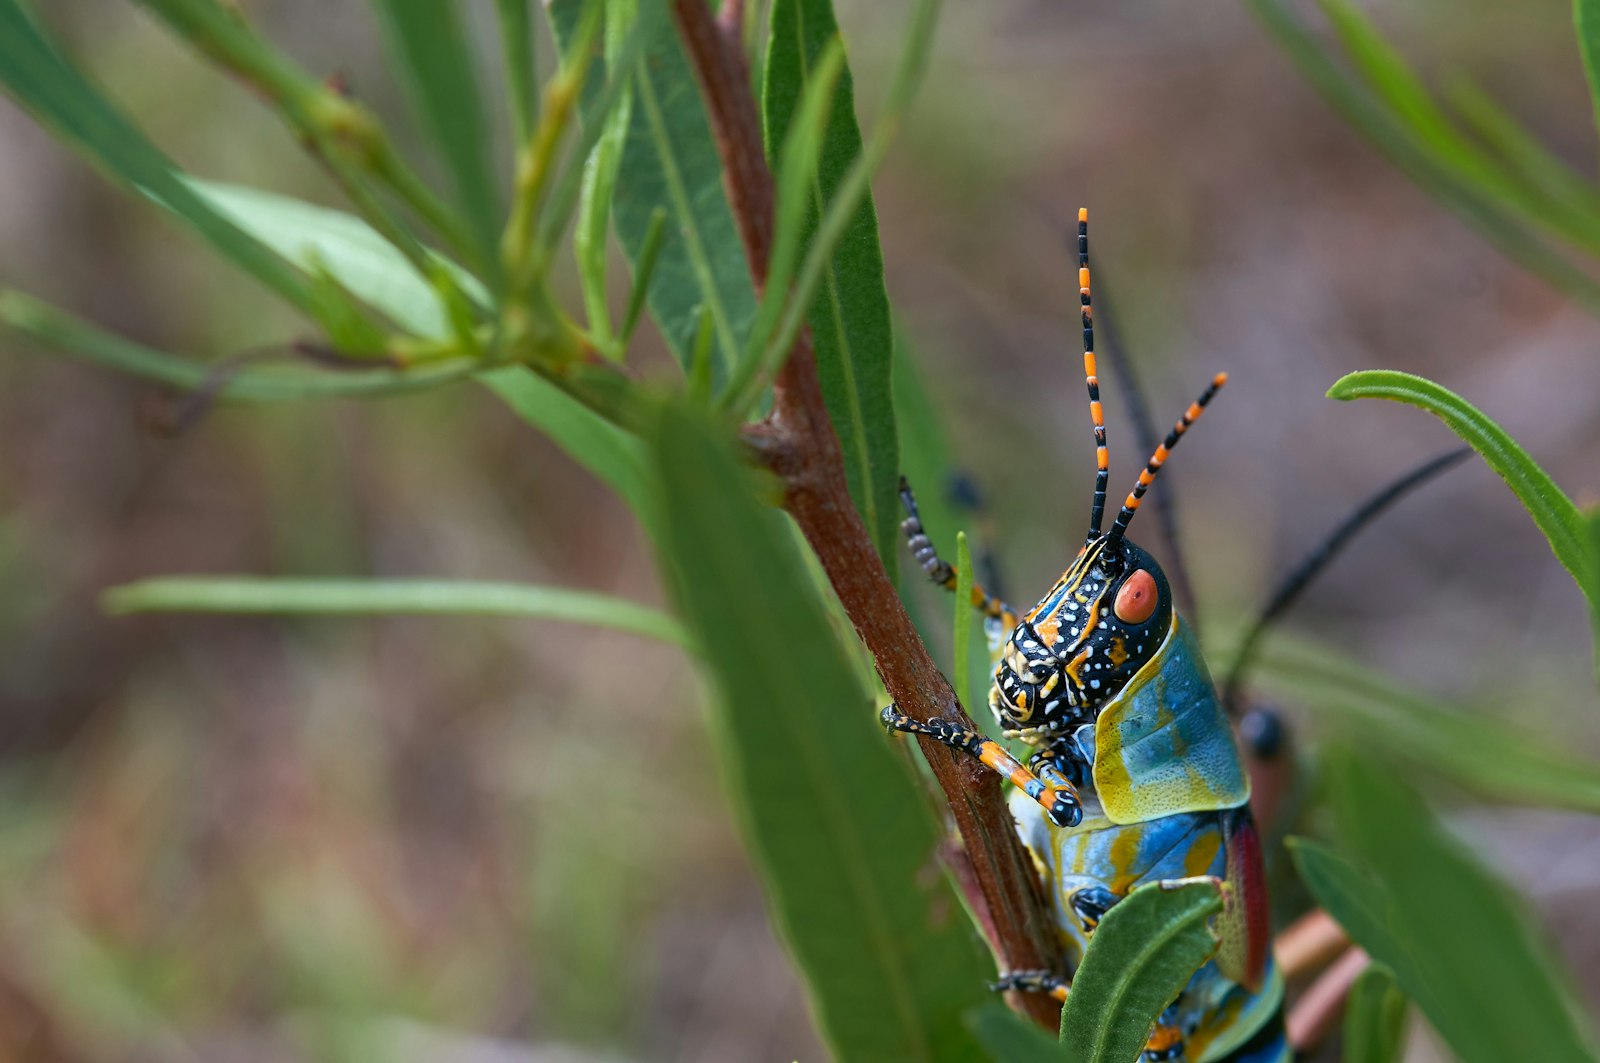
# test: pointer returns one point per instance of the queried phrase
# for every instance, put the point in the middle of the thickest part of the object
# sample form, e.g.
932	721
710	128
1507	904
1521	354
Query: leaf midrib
693	240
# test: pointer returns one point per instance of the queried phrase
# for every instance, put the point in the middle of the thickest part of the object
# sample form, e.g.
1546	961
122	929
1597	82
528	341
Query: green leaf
837	826
1436	171
795	176
963	625
428	44
1360	906
65	333
1374	1018
1009	1038
644	269
383	597
375	272
925	451
594	217
628	38
380	276
1409	100
1551	510
1592	519
1540	170
850	323
854	187
1141	956
670	160
1487	981
42	80
1506	761
1389	76
364	263
1586	20
522	79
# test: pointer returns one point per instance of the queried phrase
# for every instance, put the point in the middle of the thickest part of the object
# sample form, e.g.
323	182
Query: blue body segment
1163	745
1164	802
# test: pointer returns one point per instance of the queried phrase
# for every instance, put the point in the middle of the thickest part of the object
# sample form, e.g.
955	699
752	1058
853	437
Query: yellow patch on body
1125	860
1204	849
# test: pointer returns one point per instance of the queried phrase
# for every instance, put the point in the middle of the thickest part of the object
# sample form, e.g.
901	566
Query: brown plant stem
1315	1014
797	442
1309	944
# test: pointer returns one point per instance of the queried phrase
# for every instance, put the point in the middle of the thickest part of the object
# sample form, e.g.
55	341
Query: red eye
1136	601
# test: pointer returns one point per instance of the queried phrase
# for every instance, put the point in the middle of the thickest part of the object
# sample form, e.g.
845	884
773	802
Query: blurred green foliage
416	289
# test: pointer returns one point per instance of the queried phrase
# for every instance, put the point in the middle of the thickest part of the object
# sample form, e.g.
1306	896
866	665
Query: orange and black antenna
1091	376
1159	458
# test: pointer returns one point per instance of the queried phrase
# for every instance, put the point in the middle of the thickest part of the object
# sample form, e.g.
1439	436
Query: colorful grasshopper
1137	780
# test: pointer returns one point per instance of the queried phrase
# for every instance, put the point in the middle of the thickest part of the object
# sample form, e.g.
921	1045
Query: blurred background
487	840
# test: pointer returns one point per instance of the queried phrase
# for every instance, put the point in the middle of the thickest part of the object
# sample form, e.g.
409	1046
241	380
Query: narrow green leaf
834	821
1361	906
628	39
1536	166
925	453
1009	1038
604	163
1434	172
379	275
1504	760
851	329
795	164
670	160
594	215
1141	956
1453	915
1387	73
41	79
698	385
1586	20
854	188
69	335
1395	83
427	42
522	78
354	597
1592	519
1551	510
963	626
364	263
1374	1018
644	269
342	133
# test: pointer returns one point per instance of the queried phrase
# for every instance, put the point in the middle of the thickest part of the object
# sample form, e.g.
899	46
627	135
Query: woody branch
797	442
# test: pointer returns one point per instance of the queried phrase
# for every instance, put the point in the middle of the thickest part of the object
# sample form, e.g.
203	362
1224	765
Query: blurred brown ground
486	840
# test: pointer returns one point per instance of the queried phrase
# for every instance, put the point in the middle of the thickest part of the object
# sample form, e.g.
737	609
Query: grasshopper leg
941	571
1059	798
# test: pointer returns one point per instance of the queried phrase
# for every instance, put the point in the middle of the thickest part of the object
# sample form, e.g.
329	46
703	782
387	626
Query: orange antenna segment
1159	458
1091	375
